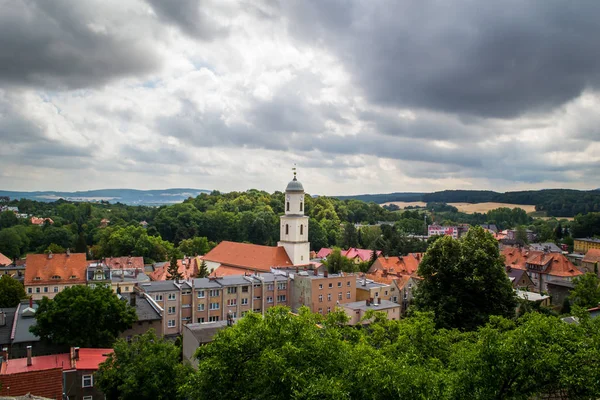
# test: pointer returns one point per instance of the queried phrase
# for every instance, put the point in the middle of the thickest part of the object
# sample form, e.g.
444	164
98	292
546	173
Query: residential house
559	291
435	230
188	267
48	274
591	262
196	335
402	265
367	289
120	273
542	267
148	315
231	258
144	224
67	375
582	245
405	286
490	227
356	310
4	261
519	278
41	221
511	234
533	297
548	247
354	254
322	292
104	222
168	295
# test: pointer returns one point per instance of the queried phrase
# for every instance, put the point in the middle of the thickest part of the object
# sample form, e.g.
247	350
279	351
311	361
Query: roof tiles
248	256
41	268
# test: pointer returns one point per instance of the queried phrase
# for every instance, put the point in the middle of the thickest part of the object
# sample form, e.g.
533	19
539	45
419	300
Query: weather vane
294	170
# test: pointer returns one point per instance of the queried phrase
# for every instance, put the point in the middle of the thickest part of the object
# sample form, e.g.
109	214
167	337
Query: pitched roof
248	256
5	260
45	266
223	270
39	363
6	329
90	359
557	264
124	262
403	265
187	267
352	252
592	256
40	221
324	252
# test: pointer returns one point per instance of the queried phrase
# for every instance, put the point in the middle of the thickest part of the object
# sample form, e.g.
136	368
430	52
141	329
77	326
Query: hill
125	196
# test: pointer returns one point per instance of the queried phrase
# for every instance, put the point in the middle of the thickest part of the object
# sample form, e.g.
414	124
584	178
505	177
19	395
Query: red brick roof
62	265
188	270
248	256
223	270
592	256
45	383
5	260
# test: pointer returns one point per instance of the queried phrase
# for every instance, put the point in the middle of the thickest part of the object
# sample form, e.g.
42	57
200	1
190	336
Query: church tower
293	230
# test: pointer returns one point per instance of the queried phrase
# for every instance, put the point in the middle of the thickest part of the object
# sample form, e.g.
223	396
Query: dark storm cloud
191	16
484	58
64	44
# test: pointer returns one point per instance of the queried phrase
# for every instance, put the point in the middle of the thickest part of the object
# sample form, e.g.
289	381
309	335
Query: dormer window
56	277
37	278
73	277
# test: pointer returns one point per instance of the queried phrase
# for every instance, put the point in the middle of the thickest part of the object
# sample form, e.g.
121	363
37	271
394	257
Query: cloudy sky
363	96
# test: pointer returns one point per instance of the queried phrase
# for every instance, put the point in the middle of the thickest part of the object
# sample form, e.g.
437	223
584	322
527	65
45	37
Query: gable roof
557	264
5	260
592	256
45	266
352	252
124	262
403	265
248	256
187	267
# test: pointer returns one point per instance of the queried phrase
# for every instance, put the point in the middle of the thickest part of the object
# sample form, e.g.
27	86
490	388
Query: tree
336	262
11	244
203	270
195	246
11	291
558	231
464	281
521	235
350	236
131	371
173	269
84	317
8	219
586	292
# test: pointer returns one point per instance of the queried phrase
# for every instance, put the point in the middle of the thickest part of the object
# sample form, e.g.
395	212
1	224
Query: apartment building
368	289
322	292
582	245
48	274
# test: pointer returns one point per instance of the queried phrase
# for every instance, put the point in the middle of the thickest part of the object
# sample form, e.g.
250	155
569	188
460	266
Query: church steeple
294	224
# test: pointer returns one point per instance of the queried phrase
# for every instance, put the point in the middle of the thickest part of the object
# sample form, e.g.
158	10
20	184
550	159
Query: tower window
300	206
287	229
287	206
301	229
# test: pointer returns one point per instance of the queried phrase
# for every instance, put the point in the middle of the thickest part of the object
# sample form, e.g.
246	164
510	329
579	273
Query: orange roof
68	268
592	256
40	221
125	262
403	265
223	270
90	359
5	260
248	256
188	269
557	263
39	363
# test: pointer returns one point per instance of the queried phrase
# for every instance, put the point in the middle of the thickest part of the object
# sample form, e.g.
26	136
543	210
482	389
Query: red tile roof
39	363
90	359
248	256
46	383
352	253
124	262
189	269
592	256
557	263
324	252
45	266
5	260
40	221
223	270
403	265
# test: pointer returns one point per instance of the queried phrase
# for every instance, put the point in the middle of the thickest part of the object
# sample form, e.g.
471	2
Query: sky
361	96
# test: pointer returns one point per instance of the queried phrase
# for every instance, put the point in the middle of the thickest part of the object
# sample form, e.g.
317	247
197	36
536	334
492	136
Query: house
542	267
231	258
519	278
41	221
591	262
148	314
124	262
490	227
357	310
196	335
405	286
48	274
122	277
354	254
104	222
7	317
435	230
4	261
548	247
367	289
188	267
144	224
16	271
582	245
322	292
402	265
559	291
67	375
533	297
511	234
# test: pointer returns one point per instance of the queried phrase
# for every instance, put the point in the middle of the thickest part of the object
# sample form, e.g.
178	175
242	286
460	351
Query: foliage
173	269
336	262
195	246
11	291
132	371
82	316
464	281
586	292
203	271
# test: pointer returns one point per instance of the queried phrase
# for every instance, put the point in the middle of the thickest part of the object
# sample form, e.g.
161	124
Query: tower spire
294	171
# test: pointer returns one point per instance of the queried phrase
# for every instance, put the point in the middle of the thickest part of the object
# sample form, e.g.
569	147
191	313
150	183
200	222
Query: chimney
76	353
368	302
316	272
325	273
49	255
29	361
364	281
297	269
132	299
5	354
371	300
30	302
68	252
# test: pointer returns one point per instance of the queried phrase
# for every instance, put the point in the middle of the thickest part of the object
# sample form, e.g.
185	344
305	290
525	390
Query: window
320	298
55	277
37	278
186	319
256	297
186	292
328	310
328	296
213	293
55	289
270	286
347	295
376	294
171	310
87	381
244	313
245	289
339	295
37	289
339	284
330	285
232	302
300	206
301	229
214	306
386	292
171	323
92	286
127	288
320	286
348	283
395	299
405	295
282	286
88	397
172	296
201	320
245	301
287	206
231	290
73	277
287	229
269	299
29	290
158	297
281	298
320	311
257	310
200	294
213	318
200	307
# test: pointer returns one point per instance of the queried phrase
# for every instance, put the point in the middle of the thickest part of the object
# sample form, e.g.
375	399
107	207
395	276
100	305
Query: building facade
582	245
49	274
293	229
322	292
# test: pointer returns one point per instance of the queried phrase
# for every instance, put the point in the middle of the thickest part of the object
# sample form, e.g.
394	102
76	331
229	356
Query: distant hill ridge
126	196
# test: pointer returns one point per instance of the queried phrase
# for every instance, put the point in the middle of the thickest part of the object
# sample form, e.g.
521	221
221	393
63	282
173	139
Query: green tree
336	262
350	236
54	248
131	371
558	231
586	292
97	313
173	269
203	270
11	243
8	219
194	246
464	281
11	291
521	235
